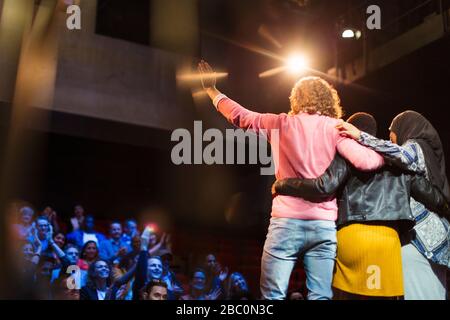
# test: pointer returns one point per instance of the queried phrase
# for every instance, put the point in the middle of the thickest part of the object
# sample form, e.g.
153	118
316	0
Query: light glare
297	63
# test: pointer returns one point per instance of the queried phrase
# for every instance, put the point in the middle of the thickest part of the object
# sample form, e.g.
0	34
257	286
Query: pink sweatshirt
307	145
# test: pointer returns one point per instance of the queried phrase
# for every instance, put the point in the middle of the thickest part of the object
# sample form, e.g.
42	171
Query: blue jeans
290	239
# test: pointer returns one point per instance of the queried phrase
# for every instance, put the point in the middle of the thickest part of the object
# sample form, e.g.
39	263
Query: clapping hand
122	292
49	234
223	274
158	246
214	295
145	238
36	242
168	242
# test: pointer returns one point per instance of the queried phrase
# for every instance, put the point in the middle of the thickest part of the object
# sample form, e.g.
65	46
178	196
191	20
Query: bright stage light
349	33
297	63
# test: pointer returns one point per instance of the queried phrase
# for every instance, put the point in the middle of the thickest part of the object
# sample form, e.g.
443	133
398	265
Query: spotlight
351	34
348	33
297	63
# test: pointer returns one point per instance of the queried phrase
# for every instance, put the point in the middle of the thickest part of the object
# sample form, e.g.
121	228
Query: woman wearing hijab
415	145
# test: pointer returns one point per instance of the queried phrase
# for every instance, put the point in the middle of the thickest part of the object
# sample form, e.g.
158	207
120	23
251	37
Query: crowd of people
127	264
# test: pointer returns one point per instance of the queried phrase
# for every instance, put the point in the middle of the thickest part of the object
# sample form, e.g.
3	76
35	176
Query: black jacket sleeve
431	197
140	278
320	189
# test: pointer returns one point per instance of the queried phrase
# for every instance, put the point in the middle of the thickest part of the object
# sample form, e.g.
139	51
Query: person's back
382	195
307	145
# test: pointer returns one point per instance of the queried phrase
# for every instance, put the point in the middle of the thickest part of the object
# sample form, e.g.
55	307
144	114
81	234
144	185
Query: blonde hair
315	95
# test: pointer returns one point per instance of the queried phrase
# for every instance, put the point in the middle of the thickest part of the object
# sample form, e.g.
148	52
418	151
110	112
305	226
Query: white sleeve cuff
218	98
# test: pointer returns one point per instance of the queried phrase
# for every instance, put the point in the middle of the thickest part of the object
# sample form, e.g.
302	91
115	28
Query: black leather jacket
381	195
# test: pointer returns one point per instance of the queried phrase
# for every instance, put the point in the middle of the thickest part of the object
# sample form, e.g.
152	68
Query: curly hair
315	95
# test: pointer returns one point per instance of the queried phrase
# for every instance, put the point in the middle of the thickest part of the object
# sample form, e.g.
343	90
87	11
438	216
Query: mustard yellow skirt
369	261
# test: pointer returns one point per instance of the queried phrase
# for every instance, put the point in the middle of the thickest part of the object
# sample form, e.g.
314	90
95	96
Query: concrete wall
111	79
15	18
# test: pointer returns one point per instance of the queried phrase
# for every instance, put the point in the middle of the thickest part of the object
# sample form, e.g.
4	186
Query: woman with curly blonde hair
304	142
315	95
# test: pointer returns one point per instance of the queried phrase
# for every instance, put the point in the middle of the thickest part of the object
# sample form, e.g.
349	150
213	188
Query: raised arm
319	189
405	157
141	265
124	279
233	111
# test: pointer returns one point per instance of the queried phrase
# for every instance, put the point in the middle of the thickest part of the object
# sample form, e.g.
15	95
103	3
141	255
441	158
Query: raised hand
214	295
207	74
122	292
162	240
36	241
49	234
145	238
223	274
168	242
158	246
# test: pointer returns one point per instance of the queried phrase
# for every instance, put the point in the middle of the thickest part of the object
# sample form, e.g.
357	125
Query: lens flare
297	63
152	227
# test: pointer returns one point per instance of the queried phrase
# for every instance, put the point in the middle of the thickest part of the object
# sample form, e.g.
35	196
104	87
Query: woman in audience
89	254
237	288
198	288
99	281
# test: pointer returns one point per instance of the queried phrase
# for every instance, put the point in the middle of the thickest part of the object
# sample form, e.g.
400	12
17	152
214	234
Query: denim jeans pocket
282	239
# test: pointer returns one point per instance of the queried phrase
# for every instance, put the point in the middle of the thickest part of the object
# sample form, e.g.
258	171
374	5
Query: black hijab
412	125
364	122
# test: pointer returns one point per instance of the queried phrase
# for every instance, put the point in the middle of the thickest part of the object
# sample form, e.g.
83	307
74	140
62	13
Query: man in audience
40	230
23	228
72	255
155	290
87	233
52	218
78	217
129	231
114	247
